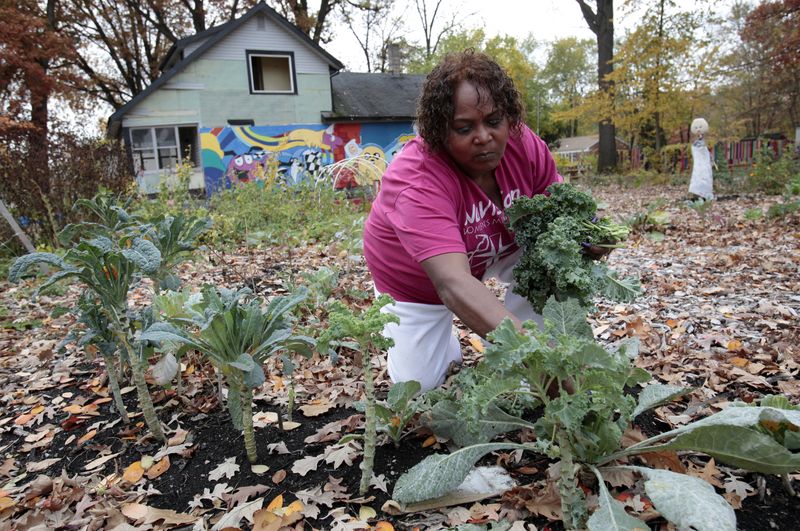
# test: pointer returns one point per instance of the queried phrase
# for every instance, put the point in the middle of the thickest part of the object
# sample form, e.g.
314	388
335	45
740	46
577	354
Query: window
271	72
157	148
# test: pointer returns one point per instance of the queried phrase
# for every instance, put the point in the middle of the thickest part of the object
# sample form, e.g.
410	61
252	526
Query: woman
437	227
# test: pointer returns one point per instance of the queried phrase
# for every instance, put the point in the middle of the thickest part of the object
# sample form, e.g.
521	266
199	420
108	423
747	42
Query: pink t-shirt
427	207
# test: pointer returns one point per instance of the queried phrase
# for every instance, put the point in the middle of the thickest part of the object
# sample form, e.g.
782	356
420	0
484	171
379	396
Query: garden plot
718	314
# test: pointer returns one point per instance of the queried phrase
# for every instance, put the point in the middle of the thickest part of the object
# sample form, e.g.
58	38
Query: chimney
393	51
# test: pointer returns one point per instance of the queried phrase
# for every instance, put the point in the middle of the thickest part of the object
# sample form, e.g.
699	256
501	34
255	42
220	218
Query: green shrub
771	174
280	214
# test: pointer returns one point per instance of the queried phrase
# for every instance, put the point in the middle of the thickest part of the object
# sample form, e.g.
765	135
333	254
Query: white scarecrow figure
702	183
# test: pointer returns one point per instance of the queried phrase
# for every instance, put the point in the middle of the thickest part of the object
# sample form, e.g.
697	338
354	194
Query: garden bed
719	312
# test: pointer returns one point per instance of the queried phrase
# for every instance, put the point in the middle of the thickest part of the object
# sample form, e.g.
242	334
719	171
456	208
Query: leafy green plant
652	222
582	425
781	210
701	206
109	269
772	174
237	335
552	232
176	239
753	214
366	329
110	256
394	414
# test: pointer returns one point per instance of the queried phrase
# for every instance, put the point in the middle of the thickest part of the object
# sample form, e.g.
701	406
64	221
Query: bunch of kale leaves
552	230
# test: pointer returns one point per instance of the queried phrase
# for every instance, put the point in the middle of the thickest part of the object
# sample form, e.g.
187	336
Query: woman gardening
436	229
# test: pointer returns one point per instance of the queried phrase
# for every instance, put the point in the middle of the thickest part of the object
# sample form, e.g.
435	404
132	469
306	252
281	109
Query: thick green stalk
573	501
369	421
247	424
145	402
290	404
113	383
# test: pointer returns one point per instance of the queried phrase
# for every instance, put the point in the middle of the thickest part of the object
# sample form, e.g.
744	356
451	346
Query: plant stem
145	402
247	424
114	384
290	404
369	423
573	501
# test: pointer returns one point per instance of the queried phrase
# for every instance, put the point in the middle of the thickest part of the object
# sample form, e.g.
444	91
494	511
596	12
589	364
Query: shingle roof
577	143
374	96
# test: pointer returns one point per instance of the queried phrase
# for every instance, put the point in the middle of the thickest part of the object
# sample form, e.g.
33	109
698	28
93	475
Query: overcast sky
547	20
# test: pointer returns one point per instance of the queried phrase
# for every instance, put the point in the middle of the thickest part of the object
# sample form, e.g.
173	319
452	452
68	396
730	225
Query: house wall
297	153
215	88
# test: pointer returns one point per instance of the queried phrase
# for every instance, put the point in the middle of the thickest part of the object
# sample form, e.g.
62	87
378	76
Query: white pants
424	340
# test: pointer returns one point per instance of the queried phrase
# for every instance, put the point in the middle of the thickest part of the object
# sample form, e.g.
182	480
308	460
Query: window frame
250	54
155	147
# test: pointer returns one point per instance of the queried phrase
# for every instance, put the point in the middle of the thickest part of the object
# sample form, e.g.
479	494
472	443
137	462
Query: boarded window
271	72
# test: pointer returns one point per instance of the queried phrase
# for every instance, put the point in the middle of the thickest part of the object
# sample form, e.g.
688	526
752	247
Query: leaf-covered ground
720	314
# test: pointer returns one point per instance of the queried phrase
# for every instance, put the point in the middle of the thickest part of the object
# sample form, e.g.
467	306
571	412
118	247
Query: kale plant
553	232
582	424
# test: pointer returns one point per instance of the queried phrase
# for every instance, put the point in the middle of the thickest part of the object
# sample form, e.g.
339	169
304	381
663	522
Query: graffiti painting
295	153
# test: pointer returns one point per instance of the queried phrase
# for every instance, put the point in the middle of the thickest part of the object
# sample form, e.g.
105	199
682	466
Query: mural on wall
294	153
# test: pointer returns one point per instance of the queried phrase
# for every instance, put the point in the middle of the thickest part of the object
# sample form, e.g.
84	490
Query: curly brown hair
435	108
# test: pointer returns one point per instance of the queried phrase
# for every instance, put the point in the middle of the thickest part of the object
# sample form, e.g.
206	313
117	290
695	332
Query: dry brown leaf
664	460
383	525
159	468
178	438
144	514
278	476
8	466
41	465
6	502
429	441
316	408
134	472
100	461
477	343
87	436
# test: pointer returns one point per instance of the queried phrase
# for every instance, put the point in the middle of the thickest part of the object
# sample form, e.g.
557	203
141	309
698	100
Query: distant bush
255	213
773	174
40	193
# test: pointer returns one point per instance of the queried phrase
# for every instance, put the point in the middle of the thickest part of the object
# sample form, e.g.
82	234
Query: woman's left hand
595	252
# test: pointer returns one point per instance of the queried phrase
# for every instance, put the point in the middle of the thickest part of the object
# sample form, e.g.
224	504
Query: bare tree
428	17
375	27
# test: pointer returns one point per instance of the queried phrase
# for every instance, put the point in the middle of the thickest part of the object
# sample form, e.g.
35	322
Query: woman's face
478	133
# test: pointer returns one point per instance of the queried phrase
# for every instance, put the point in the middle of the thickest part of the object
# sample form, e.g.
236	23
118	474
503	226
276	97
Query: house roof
374	96
581	143
213	36
577	143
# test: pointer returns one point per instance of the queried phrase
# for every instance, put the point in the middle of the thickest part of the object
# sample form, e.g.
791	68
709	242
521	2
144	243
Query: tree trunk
602	24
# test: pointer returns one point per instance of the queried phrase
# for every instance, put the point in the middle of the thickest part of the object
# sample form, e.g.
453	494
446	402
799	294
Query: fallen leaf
366	513
159	468
6	502
8	466
227	468
429	441
134	472
383	525
278	476
477	343
289	425
315	408
86	437
276	503
739	362
100	461
259	469
178	438
734	345
307	464
144	514
41	465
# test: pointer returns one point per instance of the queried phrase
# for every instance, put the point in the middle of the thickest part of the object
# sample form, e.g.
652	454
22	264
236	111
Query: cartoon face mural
294	153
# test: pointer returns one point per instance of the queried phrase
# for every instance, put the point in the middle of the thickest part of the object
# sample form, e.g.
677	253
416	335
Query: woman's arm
465	295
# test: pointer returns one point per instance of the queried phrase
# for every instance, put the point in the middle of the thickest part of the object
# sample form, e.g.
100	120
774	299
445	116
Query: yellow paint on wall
211	143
